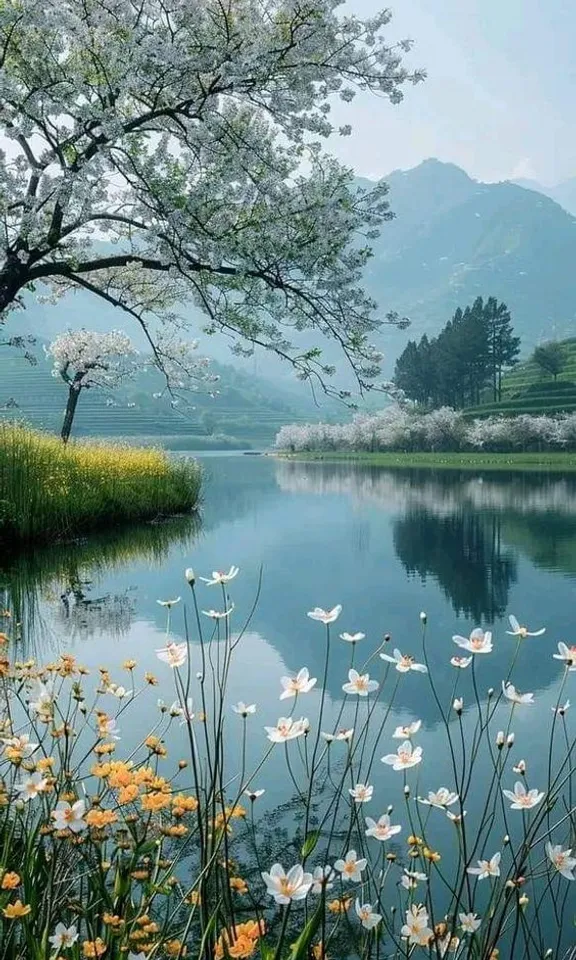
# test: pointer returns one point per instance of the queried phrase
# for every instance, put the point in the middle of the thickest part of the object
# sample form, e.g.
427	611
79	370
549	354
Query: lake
466	547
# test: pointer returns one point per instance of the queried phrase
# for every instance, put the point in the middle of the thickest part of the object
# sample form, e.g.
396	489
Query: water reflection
467	548
66	577
464	553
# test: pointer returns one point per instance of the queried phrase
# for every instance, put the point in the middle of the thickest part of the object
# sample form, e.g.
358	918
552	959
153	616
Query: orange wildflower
174	948
129	793
155	801
238	884
10	880
93	948
100	818
339	906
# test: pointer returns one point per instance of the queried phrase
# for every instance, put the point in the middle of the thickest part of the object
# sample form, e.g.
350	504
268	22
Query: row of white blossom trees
400	429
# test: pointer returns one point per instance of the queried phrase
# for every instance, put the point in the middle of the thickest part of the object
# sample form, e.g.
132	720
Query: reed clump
50	491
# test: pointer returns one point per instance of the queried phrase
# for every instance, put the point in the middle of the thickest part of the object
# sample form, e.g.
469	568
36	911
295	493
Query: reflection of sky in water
385	545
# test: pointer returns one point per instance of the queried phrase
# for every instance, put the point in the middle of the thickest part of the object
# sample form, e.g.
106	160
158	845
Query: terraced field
526	390
39	399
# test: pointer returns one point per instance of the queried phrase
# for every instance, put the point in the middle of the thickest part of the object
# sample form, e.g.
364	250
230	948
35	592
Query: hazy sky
500	95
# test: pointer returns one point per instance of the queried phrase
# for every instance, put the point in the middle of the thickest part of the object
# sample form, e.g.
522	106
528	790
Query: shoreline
548	462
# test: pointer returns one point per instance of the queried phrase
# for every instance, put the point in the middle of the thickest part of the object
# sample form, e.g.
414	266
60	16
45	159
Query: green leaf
300	948
310	842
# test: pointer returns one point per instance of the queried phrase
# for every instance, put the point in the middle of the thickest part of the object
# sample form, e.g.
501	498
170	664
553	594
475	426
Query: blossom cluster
404	429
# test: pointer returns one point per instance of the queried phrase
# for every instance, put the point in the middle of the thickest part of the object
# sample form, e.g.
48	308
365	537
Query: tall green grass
48	491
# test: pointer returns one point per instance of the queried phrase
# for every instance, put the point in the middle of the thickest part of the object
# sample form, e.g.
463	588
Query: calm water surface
468	548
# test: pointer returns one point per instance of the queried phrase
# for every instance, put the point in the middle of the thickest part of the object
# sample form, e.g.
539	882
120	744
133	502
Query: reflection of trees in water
454	525
80	613
66	574
442	491
464	554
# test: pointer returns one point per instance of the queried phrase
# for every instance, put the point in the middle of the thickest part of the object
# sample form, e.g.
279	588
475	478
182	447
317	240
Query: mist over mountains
452	239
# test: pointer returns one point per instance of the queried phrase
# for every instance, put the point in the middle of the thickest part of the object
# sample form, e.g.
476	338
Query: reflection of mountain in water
464	554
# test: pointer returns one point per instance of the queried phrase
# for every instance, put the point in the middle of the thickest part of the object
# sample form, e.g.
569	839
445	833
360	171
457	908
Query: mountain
563	193
454	239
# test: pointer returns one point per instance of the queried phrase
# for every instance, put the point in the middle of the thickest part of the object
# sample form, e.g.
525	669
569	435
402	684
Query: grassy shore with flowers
549	461
123	851
49	491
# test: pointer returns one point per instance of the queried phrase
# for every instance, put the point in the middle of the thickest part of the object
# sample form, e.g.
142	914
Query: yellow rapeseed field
50	490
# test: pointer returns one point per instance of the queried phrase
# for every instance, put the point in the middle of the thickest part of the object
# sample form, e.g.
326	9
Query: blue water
467	548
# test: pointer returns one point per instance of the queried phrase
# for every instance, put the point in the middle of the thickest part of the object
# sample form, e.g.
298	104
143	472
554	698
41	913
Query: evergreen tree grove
471	353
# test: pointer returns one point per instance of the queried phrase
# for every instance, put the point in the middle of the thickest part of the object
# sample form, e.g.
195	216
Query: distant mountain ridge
452	239
563	193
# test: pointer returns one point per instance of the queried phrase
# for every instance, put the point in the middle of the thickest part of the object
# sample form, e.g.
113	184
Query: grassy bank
48	491
460	461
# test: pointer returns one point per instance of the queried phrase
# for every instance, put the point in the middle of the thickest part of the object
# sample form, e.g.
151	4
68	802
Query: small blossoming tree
187	135
84	359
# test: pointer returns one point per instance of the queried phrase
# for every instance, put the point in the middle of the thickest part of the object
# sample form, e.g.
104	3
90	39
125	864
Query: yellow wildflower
16	910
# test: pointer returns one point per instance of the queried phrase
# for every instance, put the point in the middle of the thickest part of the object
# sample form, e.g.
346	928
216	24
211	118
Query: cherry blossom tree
170	152
84	359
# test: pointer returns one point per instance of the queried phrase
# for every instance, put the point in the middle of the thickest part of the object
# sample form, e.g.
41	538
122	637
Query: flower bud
549	953
190	576
500	739
490	692
389	809
406	790
520	767
387	638
423	617
510	740
524	900
506	840
458	705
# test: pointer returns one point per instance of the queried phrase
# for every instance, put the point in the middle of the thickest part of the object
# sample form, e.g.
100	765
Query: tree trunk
13	276
73	395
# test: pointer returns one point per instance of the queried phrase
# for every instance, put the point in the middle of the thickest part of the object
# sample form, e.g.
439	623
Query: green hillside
527	390
245	409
